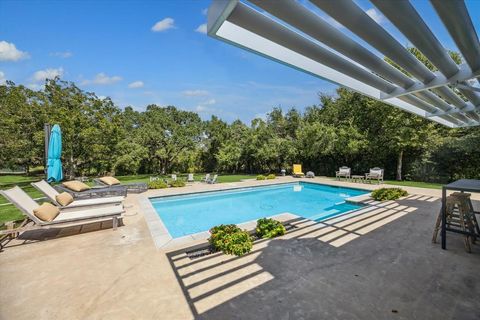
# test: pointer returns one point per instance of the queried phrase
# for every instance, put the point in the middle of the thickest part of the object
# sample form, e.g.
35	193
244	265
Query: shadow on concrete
377	262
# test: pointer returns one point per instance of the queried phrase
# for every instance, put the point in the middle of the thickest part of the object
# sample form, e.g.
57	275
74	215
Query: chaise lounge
133	187
59	199
80	190
53	217
297	171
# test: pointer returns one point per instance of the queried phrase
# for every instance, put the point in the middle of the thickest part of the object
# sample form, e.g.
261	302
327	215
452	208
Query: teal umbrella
54	164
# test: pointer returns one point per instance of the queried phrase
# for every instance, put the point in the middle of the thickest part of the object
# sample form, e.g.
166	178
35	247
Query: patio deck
376	263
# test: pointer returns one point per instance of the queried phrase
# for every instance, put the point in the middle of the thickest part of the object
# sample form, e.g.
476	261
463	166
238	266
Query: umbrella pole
47	129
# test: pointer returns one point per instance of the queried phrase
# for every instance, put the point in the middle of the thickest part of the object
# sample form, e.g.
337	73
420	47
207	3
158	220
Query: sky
143	52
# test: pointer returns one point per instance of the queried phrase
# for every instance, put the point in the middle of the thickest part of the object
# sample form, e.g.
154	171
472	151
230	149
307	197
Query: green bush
158	184
230	239
271	176
269	228
177	183
261	177
388	194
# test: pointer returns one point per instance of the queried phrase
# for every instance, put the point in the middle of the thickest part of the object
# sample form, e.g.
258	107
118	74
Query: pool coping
164	241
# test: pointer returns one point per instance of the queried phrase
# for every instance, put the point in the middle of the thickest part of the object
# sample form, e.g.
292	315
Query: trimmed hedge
158	184
261	177
269	228
230	239
177	183
388	194
271	176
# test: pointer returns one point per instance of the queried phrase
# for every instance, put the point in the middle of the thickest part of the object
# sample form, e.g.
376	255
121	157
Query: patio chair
27	205
344	172
213	180
50	192
190	178
297	171
94	192
133	187
174	177
206	178
375	174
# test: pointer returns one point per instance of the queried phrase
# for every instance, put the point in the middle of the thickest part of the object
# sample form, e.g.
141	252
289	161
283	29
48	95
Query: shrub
388	194
261	177
271	176
158	184
177	183
269	228
230	239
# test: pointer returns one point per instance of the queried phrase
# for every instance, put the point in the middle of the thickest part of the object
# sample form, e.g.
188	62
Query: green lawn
415	184
9	212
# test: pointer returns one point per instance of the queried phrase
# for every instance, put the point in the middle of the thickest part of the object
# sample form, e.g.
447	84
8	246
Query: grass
9	213
415	184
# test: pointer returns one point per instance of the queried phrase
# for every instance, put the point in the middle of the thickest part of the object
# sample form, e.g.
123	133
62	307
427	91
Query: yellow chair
297	170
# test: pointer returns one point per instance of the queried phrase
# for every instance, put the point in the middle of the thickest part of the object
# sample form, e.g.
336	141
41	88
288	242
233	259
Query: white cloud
64	54
35	86
162	25
203	107
375	15
102	79
3	80
205	11
195	93
50	73
8	52
202	28
136	84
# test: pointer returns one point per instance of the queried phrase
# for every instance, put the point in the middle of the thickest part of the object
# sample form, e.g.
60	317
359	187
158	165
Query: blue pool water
188	214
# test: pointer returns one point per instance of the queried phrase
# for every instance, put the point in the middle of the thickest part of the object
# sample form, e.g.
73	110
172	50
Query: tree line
345	129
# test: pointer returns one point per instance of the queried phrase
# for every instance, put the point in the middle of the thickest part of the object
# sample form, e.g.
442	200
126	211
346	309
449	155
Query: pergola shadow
316	270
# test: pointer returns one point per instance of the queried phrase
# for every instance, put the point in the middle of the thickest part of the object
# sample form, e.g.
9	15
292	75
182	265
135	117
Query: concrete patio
374	263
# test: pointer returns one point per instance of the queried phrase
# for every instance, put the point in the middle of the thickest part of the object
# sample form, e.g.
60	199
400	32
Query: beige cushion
110	180
46	212
76	186
64	199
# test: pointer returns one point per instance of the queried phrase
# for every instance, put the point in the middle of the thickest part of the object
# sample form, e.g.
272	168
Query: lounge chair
207	177
213	180
344	172
27	205
133	187
375	174
297	171
174	177
190	178
52	194
95	192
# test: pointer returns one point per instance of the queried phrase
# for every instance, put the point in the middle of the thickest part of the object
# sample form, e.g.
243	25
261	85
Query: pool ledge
361	199
164	241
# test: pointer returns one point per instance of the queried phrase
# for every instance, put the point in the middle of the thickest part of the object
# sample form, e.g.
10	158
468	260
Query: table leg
444	218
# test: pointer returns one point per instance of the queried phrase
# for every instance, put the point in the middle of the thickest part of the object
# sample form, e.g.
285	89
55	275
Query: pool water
188	214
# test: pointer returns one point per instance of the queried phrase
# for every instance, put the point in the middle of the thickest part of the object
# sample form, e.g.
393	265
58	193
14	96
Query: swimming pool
188	214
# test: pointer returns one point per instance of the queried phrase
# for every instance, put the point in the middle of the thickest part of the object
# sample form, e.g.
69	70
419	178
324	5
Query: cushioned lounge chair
27	205
343	172
95	192
133	187
52	194
297	171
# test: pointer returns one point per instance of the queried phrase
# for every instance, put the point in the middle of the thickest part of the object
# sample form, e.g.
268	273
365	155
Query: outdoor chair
27	205
297	171
95	192
190	178
174	177
133	187
344	172
213	180
50	192
374	174
207	178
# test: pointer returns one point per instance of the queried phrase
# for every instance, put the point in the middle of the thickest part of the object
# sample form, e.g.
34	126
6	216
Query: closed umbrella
54	164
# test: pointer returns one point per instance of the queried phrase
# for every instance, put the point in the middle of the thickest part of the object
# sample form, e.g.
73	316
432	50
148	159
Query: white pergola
291	33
